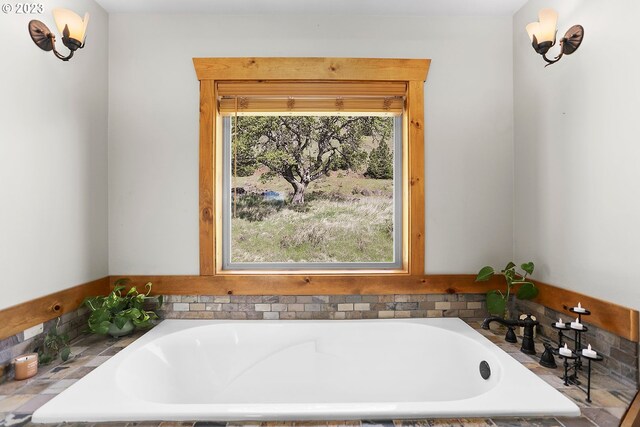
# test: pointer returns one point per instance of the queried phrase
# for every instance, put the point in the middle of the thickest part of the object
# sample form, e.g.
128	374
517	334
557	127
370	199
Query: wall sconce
72	27
543	36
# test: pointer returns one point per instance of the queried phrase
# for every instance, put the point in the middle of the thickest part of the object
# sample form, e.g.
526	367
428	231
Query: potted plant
498	301
54	344
118	314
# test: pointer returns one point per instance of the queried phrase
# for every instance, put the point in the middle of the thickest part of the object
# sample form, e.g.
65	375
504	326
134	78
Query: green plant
55	344
380	162
118	309
497	300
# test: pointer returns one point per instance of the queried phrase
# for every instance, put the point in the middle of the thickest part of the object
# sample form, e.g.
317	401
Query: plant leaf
133	313
122	282
510	275
102	328
528	267
120	321
527	290
496	303
44	359
65	353
485	274
509	266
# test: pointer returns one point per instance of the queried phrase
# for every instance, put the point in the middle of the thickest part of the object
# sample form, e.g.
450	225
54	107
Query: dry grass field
345	218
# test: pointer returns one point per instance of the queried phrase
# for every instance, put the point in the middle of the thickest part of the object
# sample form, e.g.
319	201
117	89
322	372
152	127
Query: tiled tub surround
620	355
74	323
19	399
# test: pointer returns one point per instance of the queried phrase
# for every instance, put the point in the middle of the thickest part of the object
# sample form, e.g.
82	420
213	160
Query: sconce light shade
533	29
543	35
548	26
72	27
71	22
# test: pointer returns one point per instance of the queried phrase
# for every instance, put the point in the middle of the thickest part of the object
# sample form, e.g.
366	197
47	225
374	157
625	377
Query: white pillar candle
564	351
576	324
587	352
560	323
579	309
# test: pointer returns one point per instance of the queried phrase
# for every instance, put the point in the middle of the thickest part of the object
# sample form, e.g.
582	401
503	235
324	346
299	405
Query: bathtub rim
288	412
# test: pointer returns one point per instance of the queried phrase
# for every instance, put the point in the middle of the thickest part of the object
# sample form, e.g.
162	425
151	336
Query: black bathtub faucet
527	323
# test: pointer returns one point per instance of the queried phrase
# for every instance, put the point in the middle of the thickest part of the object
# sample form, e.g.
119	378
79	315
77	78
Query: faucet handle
529	318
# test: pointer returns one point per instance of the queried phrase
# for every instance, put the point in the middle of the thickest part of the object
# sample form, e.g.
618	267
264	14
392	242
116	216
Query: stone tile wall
74	323
621	355
334	307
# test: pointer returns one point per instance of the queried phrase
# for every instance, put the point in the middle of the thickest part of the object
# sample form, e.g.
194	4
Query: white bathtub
306	370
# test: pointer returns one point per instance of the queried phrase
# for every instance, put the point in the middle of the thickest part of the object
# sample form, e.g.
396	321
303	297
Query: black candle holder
596	358
573	363
566	359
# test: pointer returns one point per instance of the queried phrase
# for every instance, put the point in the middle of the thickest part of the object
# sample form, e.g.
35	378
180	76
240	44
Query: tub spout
527	323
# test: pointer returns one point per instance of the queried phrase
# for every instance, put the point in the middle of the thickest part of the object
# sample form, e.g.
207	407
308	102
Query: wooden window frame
412	72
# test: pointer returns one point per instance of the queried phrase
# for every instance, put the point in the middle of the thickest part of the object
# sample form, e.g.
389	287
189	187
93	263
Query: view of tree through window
312	189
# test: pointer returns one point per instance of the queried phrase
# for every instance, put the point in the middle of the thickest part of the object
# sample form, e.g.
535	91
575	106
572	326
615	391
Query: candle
564	351
560	323
579	309
26	366
587	352
576	324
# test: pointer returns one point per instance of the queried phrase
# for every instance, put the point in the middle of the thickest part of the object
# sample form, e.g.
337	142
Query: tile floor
19	399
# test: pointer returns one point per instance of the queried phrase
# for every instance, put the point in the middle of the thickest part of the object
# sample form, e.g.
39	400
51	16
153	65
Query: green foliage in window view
245	162
303	149
302	193
380	162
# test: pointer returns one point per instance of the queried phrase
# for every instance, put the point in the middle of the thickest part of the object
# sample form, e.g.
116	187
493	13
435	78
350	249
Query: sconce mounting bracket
572	39
41	35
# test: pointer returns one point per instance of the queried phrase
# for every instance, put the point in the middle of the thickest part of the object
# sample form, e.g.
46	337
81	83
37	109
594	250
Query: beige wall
577	152
53	159
153	125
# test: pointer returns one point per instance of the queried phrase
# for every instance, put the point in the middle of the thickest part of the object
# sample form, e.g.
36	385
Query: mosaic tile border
327	307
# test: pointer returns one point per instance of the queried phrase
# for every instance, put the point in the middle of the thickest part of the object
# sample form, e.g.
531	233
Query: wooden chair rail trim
325	284
632	417
349	69
622	321
614	318
19	317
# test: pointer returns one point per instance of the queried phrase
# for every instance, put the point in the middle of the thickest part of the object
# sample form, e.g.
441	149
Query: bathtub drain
485	370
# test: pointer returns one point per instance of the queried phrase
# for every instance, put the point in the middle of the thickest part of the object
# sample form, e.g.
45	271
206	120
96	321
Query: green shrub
380	162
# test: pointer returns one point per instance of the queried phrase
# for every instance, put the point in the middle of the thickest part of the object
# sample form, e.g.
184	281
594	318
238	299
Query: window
241	97
312	192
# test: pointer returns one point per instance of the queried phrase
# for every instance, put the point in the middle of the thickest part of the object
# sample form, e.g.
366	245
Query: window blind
307	98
